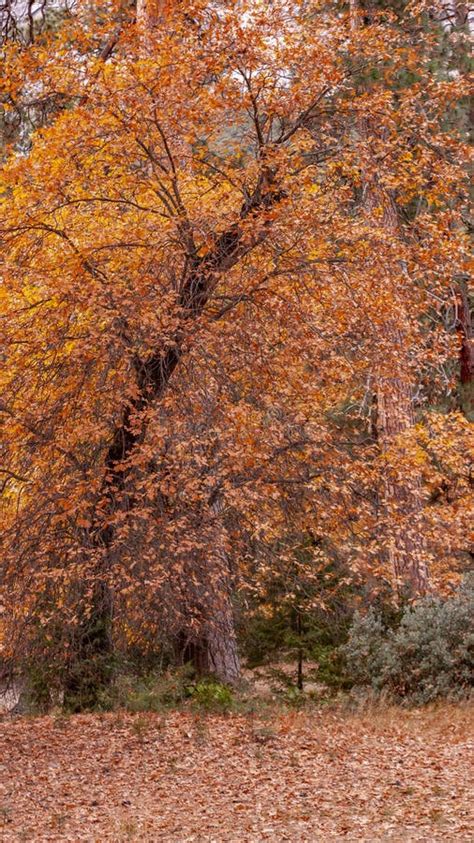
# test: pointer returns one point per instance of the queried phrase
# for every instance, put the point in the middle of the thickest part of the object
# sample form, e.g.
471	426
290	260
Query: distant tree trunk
458	17
466	354
394	398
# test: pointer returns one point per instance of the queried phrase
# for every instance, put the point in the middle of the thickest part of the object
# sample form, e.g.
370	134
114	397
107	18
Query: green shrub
212	696
331	667
168	690
294	698
429	655
152	692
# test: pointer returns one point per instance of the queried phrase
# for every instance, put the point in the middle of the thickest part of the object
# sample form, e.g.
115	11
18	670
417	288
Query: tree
194	303
394	406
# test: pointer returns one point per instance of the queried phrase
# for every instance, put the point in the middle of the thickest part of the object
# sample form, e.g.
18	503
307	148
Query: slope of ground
301	776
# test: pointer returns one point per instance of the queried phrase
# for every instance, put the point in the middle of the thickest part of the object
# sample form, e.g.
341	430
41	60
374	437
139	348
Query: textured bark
222	652
395	415
222	655
403	502
456	17
394	394
466	354
214	651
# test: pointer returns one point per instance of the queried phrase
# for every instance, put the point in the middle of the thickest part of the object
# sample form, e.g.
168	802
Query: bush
169	690
153	692
429	655
212	696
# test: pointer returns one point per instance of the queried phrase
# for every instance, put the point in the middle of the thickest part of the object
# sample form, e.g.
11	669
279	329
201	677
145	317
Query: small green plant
331	666
212	696
152	692
294	697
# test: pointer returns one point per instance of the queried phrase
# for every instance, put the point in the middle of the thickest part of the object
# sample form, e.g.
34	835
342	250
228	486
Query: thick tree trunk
394	396
215	651
222	653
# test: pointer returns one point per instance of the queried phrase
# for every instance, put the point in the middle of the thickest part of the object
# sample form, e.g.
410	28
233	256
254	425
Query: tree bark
214	651
466	353
394	394
222	652
456	17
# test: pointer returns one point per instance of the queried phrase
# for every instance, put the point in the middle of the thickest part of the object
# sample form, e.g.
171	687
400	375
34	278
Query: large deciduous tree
205	277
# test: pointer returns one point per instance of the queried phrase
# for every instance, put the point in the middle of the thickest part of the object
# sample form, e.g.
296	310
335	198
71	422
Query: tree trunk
394	396
221	639
215	650
466	352
458	17
395	416
222	655
402	500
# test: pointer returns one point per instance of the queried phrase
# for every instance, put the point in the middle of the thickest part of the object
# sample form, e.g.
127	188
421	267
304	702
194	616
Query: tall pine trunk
402	504
457	17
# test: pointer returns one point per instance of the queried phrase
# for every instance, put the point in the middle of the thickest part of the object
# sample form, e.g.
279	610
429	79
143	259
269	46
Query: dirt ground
184	776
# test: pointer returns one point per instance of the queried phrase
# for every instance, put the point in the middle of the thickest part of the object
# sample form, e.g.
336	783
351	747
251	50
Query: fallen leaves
390	775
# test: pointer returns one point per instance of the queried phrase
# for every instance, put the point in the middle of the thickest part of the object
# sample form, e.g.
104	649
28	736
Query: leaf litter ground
183	776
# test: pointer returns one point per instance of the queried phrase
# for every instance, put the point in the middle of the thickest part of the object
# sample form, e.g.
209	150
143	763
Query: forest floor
311	775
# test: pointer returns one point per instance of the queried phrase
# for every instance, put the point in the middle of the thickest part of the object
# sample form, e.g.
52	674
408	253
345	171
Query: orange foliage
192	305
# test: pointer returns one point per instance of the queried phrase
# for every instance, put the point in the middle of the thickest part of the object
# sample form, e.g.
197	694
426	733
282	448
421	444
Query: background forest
237	394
